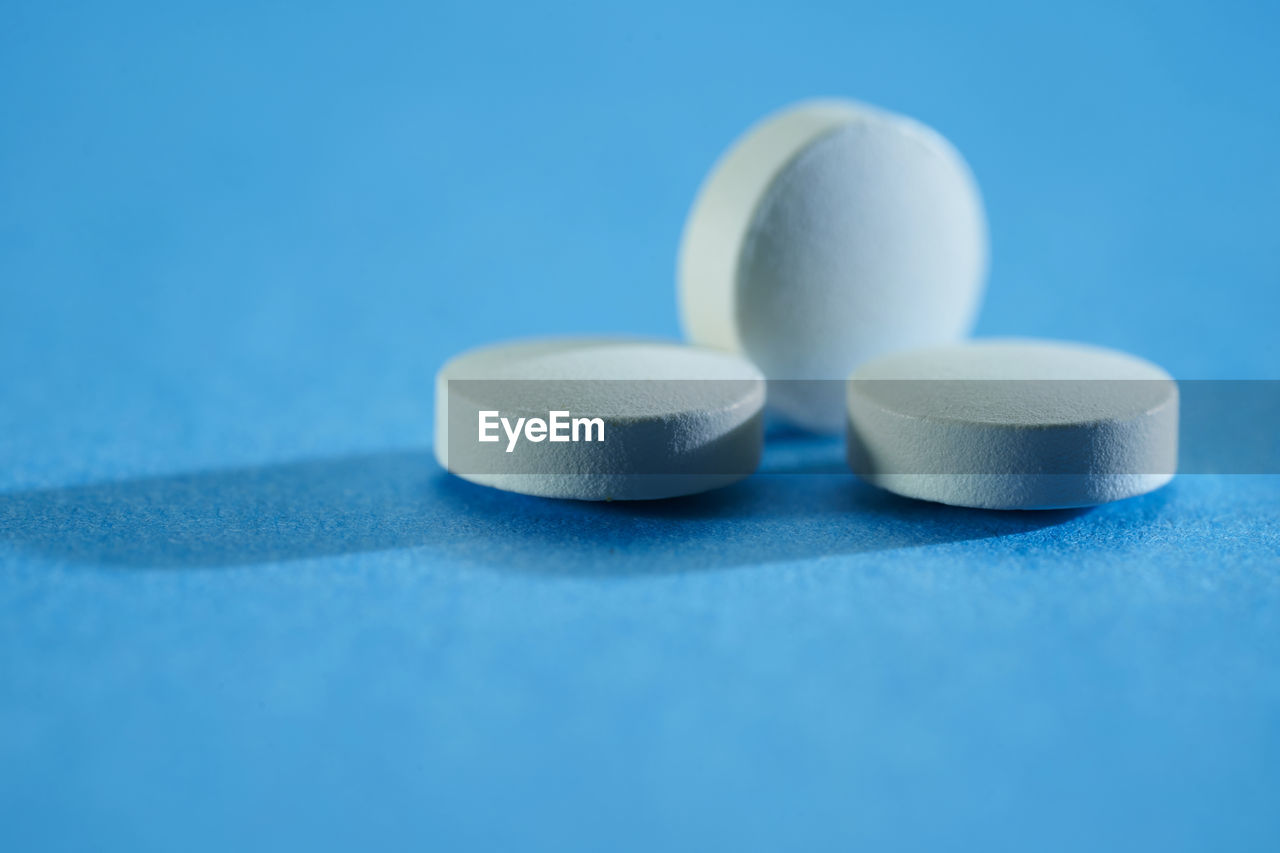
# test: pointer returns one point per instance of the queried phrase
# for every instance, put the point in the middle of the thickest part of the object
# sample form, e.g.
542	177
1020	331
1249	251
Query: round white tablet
1013	424
831	232
599	419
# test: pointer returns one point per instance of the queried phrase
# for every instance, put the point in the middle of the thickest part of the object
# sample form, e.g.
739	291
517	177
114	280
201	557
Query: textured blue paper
241	608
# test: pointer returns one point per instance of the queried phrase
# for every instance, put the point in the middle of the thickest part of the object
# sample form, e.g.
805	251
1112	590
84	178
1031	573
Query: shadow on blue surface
797	507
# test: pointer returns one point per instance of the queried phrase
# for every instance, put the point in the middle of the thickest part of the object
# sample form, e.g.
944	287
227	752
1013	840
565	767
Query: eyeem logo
557	427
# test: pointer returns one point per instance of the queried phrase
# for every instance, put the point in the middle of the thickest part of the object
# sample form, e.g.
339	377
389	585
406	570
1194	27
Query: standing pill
830	233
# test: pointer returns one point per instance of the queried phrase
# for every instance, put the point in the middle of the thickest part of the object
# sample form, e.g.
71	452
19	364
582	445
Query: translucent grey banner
559	427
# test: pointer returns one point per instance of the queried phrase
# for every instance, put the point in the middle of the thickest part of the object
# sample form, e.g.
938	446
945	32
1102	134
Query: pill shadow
767	518
232	517
403	500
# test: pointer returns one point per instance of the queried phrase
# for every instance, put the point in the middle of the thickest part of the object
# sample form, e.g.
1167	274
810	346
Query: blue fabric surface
241	607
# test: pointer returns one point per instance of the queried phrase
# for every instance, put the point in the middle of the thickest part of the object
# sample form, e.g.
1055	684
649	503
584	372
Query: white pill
1013	424
832	232
599	419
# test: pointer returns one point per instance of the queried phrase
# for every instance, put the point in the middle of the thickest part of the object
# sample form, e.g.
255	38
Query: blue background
241	607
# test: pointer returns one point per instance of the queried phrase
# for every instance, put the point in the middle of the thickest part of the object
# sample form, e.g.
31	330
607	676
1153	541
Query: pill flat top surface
1013	424
596	358
1017	383
631	379
673	419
